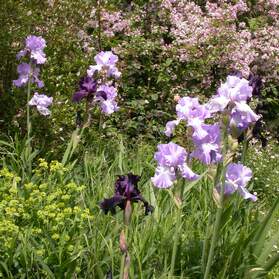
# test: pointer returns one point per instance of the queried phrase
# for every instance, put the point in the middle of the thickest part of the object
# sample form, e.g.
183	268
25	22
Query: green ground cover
51	225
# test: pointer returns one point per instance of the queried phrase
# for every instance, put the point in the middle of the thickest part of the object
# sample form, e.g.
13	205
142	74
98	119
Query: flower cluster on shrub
53	209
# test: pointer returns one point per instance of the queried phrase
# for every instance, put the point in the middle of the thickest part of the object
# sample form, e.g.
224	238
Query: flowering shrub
165	56
199	44
53	209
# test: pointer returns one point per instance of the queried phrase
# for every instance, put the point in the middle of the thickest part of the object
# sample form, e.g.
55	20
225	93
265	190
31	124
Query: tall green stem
244	150
125	260
175	243
177	230
28	155
221	168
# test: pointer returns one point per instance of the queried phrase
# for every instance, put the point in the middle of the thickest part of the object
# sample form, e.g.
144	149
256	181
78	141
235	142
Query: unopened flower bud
122	242
127	212
235	132
176	98
177	201
233	143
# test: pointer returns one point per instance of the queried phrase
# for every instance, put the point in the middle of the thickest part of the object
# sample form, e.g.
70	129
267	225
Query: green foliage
151	76
51	226
41	221
266	170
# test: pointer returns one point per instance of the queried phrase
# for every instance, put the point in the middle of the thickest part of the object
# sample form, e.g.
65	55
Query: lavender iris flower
106	96
235	89
106	61
42	102
171	160
87	89
34	46
164	177
194	113
236	179
170	127
126	189
188	108
242	116
208	149
26	72
106	58
170	155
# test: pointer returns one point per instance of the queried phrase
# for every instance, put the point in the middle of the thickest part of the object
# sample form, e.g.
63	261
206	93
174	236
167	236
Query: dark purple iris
101	94
87	89
256	82
126	189
236	73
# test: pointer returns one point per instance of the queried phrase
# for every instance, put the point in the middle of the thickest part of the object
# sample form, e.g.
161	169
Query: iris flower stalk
219	177
126	192
28	74
28	123
125	261
178	201
247	137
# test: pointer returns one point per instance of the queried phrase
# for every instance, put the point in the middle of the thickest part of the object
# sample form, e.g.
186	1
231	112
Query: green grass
51	225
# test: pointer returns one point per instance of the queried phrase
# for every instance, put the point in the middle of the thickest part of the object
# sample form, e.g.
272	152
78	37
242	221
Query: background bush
158	59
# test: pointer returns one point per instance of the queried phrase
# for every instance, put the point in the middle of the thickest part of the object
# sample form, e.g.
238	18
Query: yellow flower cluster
49	168
47	210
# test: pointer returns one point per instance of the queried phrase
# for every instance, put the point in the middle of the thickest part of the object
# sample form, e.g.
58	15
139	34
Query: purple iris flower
42	102
34	45
110	91
194	113
106	61
242	116
170	127
109	106
189	108
256	83
171	160
235	89
87	89
208	149
27	72
126	189
106	96
236	179
170	155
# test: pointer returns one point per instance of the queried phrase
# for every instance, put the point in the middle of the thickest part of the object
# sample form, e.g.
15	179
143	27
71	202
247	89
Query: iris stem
244	150
122	266
177	230
125	260
175	243
28	155
205	247
220	169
